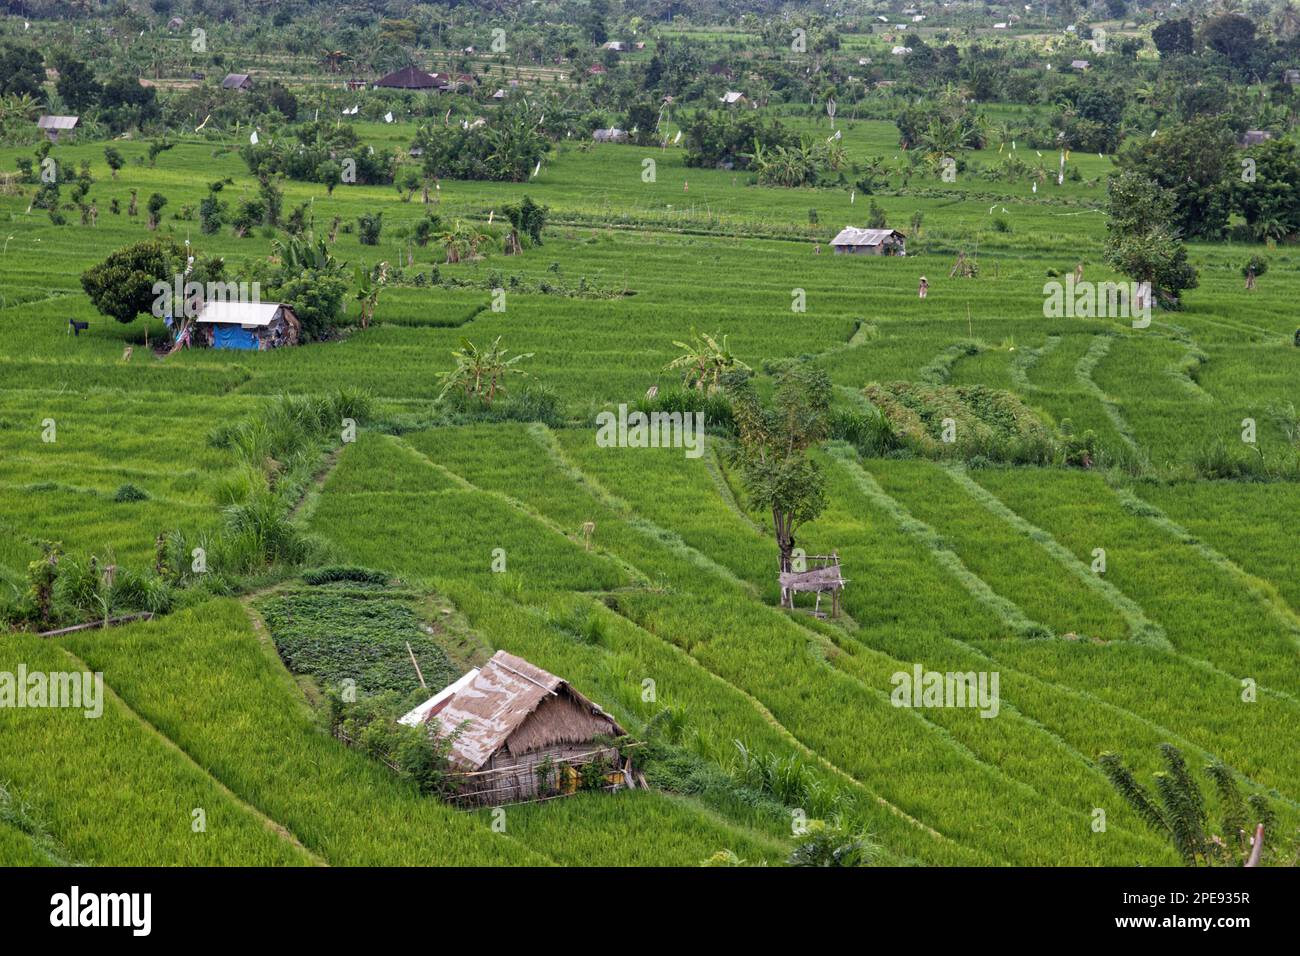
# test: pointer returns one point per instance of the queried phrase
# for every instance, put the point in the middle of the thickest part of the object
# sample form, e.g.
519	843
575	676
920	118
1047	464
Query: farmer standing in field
923	288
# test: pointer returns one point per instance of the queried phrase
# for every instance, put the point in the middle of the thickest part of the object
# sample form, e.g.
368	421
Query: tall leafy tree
22	71
772	449
122	286
1141	240
77	85
1194	162
1173	37
1270	201
1232	36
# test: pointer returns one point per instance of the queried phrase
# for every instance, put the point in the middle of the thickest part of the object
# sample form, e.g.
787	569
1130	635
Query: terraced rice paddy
984	568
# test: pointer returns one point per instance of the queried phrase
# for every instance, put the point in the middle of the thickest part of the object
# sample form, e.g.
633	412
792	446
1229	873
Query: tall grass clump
868	431
963	421
279	450
64	590
531	403
714	406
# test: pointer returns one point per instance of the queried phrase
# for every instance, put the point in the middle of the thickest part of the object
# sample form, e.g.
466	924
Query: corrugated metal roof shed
498	700
239	313
421	714
853	236
57	122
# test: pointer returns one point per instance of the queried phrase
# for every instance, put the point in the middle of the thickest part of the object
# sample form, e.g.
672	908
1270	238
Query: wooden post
417	666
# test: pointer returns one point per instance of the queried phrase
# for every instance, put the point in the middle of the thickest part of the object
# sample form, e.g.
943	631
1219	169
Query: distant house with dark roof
869	242
1291	76
237	81
54	125
410	78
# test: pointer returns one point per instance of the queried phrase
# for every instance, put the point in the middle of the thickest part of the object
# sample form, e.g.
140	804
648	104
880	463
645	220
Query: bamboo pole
91	625
417	666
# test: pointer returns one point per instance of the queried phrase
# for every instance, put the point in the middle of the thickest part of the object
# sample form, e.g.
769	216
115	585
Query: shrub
129	492
830	844
368	227
370	725
331	575
1256	264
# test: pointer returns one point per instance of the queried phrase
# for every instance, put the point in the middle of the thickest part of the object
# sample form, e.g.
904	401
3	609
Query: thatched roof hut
520	733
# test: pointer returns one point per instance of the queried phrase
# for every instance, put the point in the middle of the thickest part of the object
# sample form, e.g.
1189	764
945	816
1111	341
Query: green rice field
954	566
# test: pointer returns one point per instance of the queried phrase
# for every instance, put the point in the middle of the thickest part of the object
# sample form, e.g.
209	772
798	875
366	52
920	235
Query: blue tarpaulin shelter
233	337
249	325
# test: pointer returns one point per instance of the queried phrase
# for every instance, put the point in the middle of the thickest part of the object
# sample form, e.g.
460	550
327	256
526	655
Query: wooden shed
869	242
248	325
519	733
55	125
237	81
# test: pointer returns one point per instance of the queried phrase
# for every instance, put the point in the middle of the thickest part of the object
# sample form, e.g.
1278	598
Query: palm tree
1002	132
305	253
705	361
334	59
1286	22
18	107
462	241
480	372
1179	813
369	285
